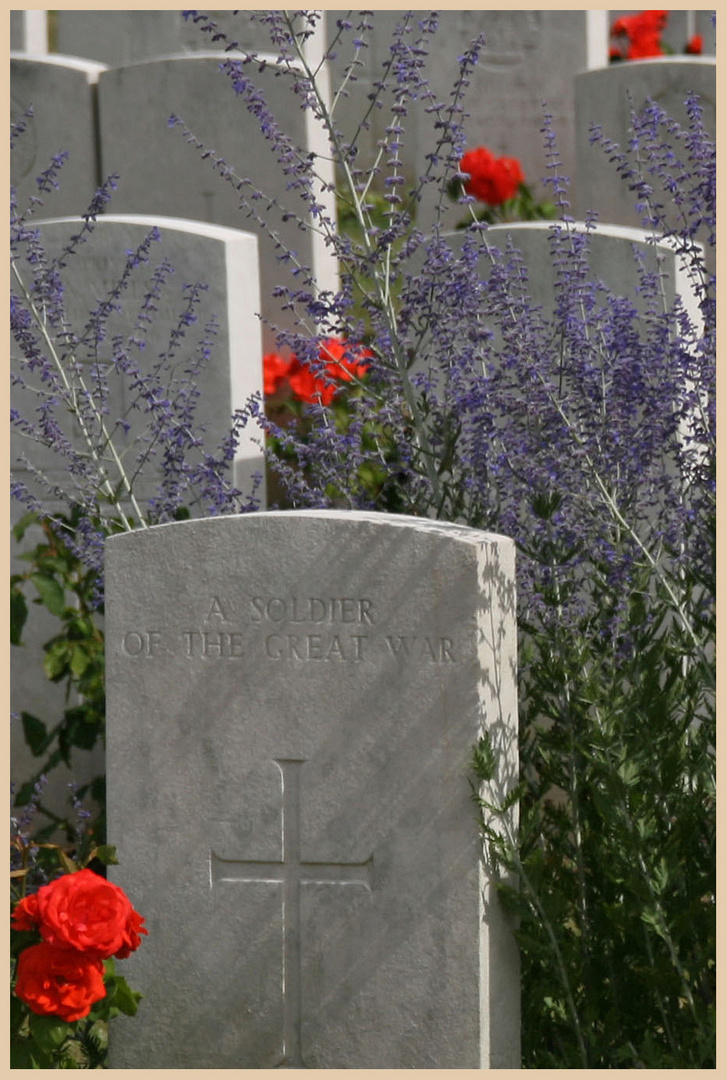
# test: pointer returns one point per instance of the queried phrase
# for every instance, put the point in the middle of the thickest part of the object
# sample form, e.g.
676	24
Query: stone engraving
291	871
293	698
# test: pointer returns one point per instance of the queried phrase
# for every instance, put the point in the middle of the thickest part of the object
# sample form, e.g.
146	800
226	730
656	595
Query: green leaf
49	1032
20	526
51	593
126	999
35	732
55	661
18	615
106	854
79	660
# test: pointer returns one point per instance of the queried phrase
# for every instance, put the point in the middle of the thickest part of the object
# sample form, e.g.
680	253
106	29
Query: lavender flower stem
106	483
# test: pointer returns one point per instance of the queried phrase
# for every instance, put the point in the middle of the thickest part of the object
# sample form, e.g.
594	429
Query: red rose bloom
25	915
84	911
491	180
59	982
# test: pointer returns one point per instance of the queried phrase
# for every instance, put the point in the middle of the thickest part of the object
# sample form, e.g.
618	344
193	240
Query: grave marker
603	97
61	90
224	260
290	726
162	174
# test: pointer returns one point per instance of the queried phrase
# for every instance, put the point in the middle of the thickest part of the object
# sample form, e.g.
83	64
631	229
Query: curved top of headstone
462	533
91	68
202	55
187	225
631	64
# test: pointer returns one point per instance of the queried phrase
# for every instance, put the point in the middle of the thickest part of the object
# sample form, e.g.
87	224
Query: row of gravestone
530	56
265	773
226	258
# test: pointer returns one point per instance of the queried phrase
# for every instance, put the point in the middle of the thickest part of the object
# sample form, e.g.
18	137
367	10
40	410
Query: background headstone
163	174
61	90
118	37
225	260
615	253
602	97
529	57
126	37
293	698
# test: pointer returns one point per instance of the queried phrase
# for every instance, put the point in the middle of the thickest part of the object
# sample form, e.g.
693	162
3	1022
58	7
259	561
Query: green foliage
58	581
615	860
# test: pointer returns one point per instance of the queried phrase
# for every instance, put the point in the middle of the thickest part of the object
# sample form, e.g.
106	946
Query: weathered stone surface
162	174
118	37
61	90
616	254
292	702
529	57
225	261
605	97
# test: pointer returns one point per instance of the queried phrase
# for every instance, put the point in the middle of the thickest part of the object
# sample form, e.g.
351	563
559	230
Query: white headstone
163	174
61	90
605	97
530	57
293	699
126	37
616	254
118	37
224	260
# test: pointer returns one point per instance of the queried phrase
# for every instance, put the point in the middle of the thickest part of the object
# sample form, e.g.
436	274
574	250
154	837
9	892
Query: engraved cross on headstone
292	872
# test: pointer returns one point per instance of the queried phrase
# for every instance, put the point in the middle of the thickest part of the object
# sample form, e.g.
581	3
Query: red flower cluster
641	35
694	46
338	359
83	919
491	180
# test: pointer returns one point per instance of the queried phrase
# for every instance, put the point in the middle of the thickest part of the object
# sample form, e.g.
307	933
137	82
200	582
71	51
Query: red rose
84	911
479	163
59	982
25	915
491	180
275	369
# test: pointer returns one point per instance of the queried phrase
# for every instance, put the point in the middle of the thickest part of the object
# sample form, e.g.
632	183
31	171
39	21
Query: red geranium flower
61	982
275	371
643	32
491	180
83	911
339	361
694	45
